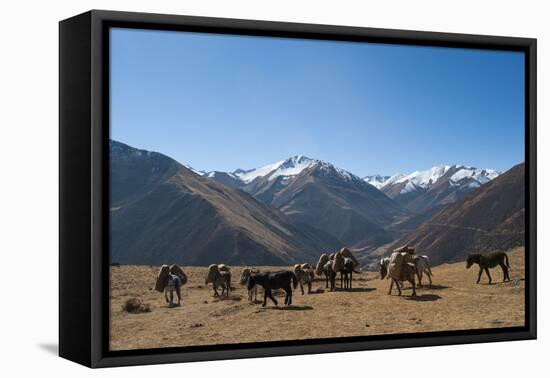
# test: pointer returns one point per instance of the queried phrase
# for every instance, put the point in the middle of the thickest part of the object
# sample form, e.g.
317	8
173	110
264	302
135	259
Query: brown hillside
490	218
182	217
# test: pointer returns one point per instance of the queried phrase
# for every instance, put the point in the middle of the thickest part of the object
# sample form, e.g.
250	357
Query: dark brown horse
488	261
277	280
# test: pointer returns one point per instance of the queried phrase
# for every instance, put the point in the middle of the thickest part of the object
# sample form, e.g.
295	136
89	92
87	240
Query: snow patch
292	167
480	176
250	175
378	181
200	173
425	179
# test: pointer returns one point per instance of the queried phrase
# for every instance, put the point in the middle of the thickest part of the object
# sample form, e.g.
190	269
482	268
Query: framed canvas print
234	188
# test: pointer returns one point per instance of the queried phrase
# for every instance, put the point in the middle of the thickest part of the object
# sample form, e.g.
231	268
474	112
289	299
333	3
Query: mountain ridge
492	217
187	218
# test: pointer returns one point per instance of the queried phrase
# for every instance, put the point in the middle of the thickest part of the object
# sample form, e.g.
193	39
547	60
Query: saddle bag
162	278
175	269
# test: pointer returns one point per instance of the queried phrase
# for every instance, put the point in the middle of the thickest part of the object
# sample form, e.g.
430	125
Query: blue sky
225	102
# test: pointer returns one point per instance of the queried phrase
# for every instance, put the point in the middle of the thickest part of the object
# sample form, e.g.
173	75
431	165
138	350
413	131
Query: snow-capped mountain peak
476	176
249	175
418	180
293	166
376	180
290	167
423	179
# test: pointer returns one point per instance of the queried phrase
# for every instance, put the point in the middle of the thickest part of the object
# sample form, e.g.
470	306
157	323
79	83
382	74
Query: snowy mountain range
421	192
422	180
460	177
426	192
318	194
283	170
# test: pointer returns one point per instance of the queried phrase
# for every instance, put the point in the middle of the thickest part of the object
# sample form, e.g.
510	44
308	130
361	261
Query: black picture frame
84	187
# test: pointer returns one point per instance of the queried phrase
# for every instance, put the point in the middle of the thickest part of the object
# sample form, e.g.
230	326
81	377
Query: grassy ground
454	302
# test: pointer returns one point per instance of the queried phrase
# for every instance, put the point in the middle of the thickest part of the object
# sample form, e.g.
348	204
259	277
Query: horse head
469	261
383	269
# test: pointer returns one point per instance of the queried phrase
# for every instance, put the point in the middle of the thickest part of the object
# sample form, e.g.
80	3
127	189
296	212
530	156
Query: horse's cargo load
212	273
176	269
397	262
347	253
322	261
306	266
405	248
162	278
224	268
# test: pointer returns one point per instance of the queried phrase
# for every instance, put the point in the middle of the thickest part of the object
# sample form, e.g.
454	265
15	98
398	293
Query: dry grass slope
455	302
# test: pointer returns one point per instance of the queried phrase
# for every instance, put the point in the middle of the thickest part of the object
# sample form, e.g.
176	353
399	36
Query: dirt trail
448	225
454	302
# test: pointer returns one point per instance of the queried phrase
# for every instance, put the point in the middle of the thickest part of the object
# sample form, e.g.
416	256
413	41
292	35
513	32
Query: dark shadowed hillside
164	212
491	218
134	173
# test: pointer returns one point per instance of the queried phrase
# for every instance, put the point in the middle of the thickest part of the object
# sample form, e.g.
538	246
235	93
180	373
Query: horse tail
507	262
294	280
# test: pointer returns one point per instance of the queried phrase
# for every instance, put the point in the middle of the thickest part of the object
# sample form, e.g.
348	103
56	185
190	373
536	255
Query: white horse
423	267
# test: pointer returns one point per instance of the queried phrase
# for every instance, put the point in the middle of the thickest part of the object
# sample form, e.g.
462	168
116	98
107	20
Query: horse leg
302	288
504	272
289	294
419	274
479	275
391	286
414	287
286	297
309	287
178	293
429	277
398	289
488	275
265	297
166	296
171	299
270	295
